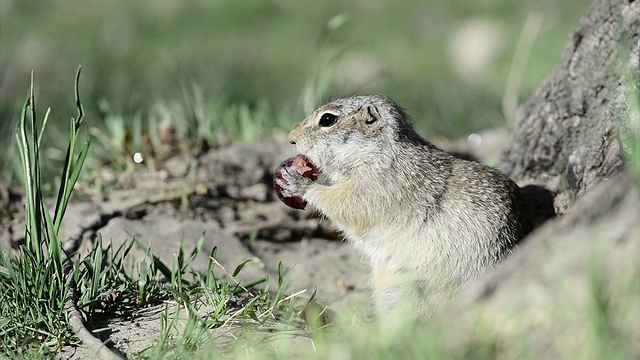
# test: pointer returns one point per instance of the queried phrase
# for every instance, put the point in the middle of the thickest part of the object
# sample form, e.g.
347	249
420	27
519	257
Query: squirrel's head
352	134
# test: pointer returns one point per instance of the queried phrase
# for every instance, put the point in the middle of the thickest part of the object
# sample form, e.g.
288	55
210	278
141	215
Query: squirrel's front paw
292	183
292	180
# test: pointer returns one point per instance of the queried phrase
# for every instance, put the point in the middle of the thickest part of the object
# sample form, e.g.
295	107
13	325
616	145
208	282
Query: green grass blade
35	172
79	108
71	169
55	250
44	125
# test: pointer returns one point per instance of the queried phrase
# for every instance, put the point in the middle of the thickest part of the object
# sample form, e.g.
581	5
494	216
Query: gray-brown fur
427	223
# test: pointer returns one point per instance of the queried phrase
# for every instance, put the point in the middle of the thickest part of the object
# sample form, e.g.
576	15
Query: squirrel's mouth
305	167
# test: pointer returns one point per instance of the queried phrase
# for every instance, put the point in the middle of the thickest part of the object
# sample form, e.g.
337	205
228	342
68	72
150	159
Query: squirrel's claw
292	183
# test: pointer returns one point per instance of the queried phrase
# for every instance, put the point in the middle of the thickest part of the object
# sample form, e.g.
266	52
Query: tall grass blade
71	169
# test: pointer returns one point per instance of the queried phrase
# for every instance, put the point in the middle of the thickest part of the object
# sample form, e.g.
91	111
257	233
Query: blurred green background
446	61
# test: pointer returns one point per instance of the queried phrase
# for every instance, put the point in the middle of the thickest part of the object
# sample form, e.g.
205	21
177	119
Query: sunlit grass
38	281
34	283
629	121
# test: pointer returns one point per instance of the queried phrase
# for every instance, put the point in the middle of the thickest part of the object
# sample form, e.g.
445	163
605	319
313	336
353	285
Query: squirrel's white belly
445	251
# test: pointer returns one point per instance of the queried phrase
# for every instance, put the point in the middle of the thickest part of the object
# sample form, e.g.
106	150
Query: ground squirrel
426	222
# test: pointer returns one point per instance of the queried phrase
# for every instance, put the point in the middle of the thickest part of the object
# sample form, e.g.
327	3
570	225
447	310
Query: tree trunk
566	137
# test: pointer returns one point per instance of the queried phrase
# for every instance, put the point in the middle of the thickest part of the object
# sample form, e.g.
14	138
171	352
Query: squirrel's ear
371	113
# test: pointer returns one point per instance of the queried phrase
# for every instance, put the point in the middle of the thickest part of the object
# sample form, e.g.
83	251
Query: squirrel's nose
293	134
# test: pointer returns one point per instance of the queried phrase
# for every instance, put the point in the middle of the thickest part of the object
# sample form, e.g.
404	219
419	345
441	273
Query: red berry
305	168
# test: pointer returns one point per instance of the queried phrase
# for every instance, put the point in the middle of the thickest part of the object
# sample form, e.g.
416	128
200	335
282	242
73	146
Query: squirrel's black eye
327	119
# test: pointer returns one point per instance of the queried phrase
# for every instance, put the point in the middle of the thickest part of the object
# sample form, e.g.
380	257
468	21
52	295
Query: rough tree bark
566	139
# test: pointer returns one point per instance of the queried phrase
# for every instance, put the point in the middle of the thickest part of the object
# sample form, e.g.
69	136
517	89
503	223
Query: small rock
178	166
